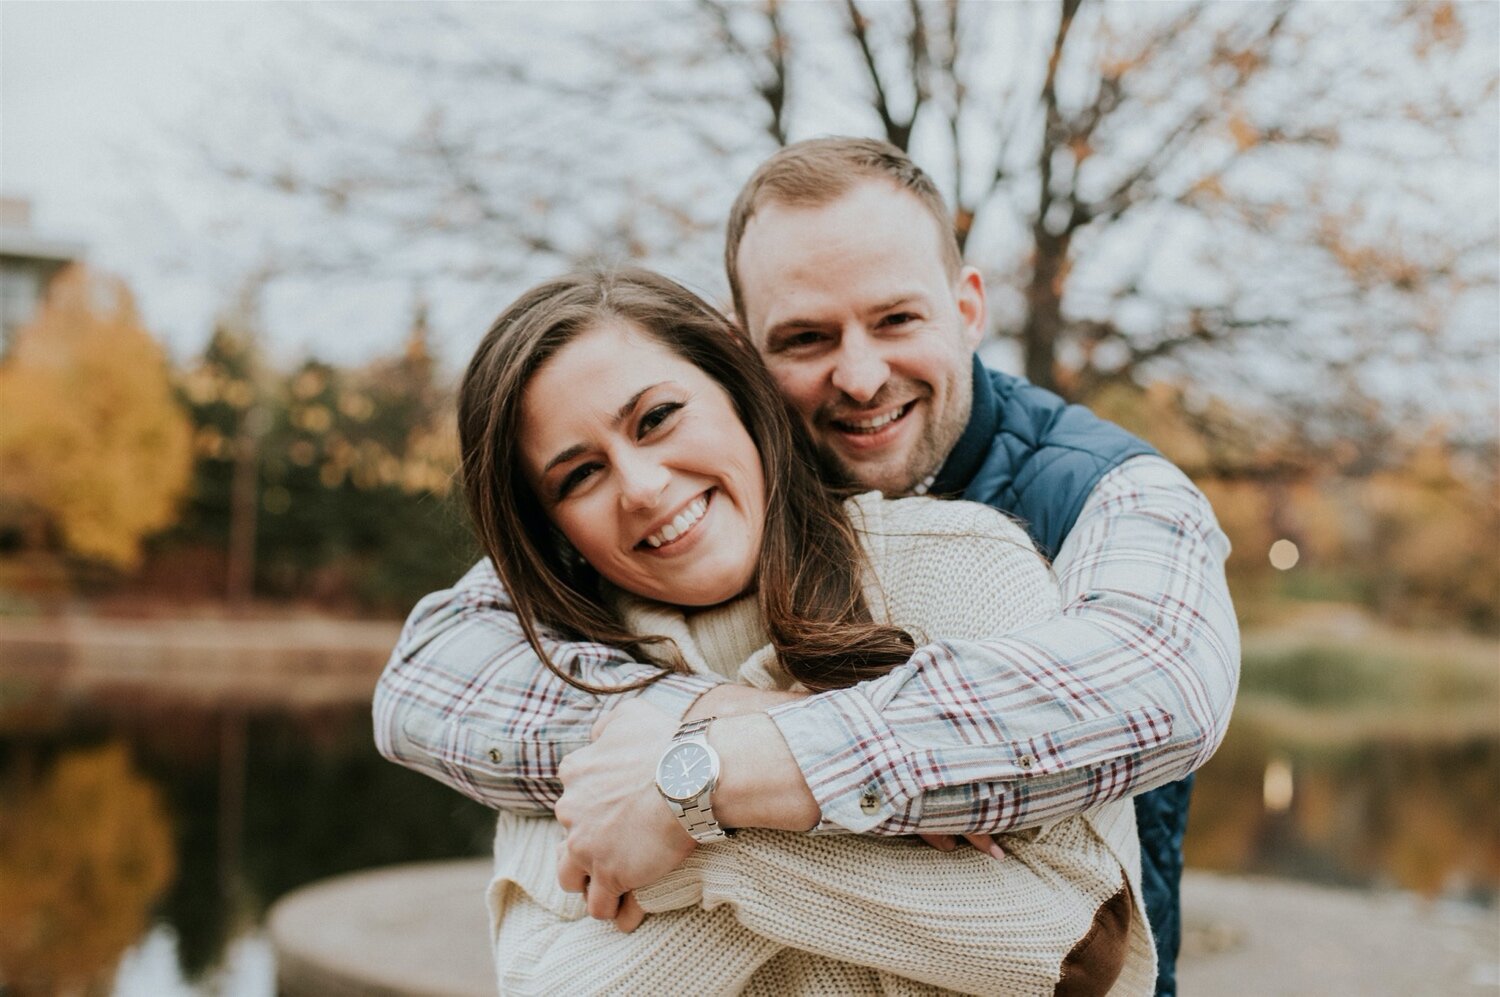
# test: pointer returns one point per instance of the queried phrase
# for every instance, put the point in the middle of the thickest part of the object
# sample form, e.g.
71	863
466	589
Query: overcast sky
93	101
98	106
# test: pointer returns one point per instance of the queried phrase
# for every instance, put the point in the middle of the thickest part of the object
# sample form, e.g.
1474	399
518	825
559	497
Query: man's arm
1129	689
465	699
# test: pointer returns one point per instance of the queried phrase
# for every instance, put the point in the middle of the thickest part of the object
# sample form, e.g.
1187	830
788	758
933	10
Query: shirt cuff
853	762
675	694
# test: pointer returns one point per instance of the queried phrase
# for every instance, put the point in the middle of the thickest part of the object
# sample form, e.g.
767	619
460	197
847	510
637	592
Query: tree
225	398
349	478
90	433
1425	546
358	469
1156	185
1274	199
1396	534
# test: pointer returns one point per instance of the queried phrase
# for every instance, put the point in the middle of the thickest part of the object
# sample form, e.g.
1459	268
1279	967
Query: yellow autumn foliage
1432	540
84	855
90	431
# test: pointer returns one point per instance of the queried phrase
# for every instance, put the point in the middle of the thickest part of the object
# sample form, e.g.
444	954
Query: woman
637	481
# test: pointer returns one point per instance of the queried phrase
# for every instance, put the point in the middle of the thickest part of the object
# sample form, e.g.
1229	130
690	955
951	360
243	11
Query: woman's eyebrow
620	416
632	401
562	458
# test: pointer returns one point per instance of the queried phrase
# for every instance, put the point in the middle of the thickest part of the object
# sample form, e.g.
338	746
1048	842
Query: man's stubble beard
926	458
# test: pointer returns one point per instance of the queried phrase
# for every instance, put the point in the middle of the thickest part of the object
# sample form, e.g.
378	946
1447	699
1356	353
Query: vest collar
968	454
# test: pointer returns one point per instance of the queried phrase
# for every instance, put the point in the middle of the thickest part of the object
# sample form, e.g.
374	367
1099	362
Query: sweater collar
968	453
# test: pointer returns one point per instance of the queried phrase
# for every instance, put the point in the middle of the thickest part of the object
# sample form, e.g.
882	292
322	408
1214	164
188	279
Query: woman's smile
681	531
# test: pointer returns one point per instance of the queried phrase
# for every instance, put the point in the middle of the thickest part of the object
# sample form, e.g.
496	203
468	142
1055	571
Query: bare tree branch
898	133
770	85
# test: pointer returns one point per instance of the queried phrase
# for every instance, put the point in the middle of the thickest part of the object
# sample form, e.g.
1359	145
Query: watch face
684	771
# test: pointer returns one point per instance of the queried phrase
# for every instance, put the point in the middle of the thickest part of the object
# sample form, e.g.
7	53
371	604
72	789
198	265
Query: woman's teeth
685	521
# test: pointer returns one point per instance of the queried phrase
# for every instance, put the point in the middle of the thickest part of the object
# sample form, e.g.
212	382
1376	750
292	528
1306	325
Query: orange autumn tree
91	436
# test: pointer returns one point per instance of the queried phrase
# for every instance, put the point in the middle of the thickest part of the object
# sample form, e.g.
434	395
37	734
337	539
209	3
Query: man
847	278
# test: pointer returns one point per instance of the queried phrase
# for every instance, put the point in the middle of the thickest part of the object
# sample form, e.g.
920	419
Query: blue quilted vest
1028	453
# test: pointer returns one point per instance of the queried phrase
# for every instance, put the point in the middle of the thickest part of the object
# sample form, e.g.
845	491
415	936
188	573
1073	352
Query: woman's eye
575	477
656	417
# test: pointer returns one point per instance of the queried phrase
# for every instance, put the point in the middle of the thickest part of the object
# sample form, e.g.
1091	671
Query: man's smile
869	431
872	423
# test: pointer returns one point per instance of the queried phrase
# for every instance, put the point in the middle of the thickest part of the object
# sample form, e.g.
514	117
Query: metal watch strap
693	728
699	821
697	817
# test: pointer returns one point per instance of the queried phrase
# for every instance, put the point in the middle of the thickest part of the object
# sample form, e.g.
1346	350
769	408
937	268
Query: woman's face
641	460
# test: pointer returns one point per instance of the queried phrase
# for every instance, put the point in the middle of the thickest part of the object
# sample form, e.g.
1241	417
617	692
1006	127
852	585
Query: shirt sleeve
466	700
1129	688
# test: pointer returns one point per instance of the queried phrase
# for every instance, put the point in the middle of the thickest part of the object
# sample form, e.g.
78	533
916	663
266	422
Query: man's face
866	333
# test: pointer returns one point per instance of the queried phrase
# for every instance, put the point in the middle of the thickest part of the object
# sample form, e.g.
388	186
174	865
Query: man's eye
801	340
575	477
898	318
656	417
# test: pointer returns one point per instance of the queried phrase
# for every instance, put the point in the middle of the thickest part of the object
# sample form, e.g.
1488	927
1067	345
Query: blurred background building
28	262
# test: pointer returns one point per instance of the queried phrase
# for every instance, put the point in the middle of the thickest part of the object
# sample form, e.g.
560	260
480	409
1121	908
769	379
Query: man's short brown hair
817	171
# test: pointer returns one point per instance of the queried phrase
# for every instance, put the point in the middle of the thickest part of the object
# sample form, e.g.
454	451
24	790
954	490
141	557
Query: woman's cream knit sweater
771	912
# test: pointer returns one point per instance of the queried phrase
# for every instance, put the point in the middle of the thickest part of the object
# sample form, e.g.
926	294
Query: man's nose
642	481
859	370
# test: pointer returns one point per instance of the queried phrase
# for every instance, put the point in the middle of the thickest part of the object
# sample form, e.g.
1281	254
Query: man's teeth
684	522
870	425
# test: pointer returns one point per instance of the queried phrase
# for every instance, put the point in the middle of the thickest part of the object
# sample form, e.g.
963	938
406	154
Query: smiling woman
639	482
617	431
644	467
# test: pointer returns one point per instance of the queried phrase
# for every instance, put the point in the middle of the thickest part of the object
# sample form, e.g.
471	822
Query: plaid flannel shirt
1130	688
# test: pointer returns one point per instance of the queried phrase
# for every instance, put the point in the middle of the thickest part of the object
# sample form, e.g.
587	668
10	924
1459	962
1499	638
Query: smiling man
846	276
868	324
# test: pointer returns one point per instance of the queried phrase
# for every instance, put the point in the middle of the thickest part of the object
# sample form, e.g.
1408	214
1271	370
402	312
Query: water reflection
85	853
151	968
145	794
173	830
1417	814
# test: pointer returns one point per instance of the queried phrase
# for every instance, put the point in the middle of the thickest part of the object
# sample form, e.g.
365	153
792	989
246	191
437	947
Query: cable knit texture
771	912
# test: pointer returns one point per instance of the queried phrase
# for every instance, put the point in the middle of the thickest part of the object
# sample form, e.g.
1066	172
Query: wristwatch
686	776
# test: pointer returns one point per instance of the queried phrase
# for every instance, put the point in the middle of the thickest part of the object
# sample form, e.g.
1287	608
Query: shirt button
869	800
1026	761
495	755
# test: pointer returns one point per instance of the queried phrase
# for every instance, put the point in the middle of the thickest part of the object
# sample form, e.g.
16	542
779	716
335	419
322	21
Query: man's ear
972	314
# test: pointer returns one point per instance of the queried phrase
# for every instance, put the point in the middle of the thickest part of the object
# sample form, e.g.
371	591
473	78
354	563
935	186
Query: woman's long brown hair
809	573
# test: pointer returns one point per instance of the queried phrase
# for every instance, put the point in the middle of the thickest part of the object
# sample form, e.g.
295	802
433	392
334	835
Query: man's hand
982	842
621	834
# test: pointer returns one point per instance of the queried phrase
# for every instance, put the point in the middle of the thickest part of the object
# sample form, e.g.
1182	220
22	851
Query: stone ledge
420	931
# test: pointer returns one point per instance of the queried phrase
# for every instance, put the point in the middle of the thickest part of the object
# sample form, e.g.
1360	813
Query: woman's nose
642	482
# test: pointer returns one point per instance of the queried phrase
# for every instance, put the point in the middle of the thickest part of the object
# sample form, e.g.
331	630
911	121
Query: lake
162	833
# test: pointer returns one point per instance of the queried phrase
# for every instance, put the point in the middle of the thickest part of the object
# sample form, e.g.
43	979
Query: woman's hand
621	834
